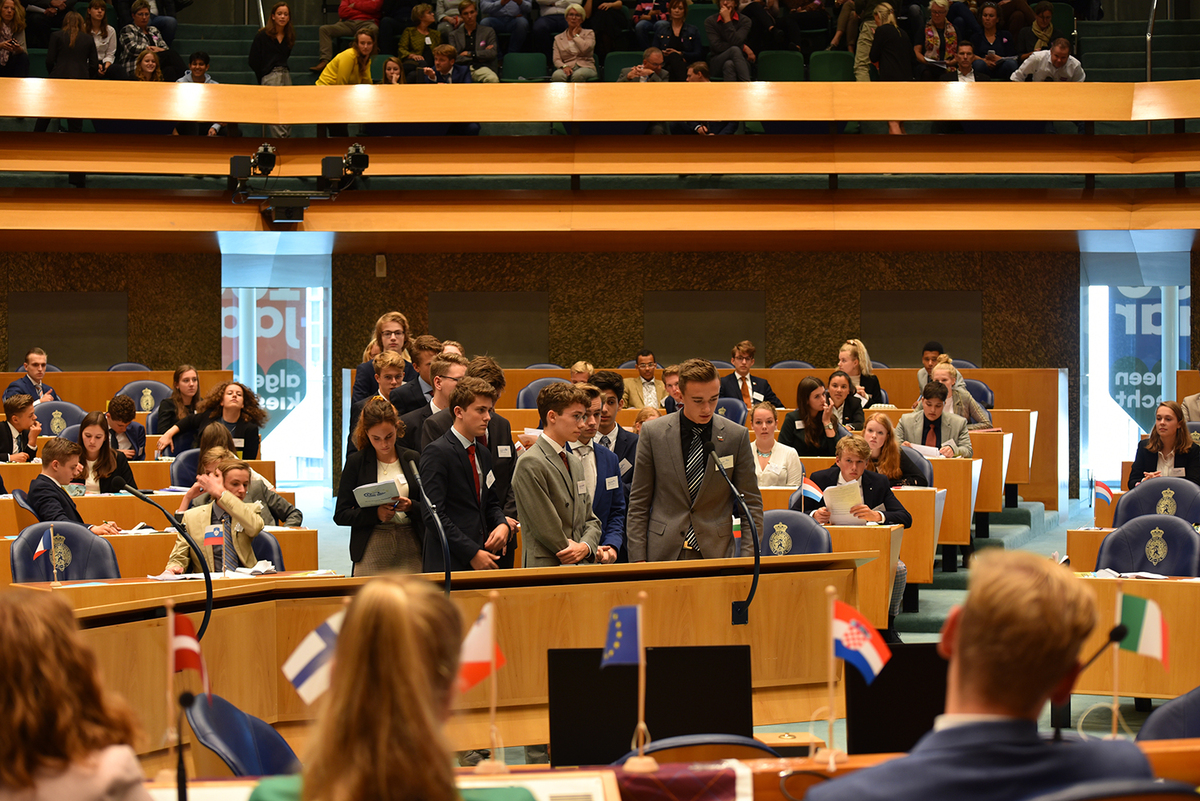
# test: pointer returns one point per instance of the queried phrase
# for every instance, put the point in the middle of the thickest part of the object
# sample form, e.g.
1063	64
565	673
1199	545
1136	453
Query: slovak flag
476	660
856	641
810	490
1103	493
187	651
310	666
44	544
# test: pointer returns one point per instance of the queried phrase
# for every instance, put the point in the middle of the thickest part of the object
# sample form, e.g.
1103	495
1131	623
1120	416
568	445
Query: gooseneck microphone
1060	714
741	609
119	485
437	522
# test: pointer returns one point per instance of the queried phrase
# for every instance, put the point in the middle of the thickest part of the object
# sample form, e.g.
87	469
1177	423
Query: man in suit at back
671	381
609	434
458	477
445	371
415	394
932	426
680	506
645	390
602	473
1013	645
20	430
50	502
743	386
31	383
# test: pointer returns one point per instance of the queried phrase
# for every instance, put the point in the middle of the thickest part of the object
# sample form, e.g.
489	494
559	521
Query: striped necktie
695	475
229	557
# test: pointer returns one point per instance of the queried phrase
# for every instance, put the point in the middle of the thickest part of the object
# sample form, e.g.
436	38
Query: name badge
581	487
490	480
504	451
726	462
611	483
625	466
239	443
800	424
428	40
758	396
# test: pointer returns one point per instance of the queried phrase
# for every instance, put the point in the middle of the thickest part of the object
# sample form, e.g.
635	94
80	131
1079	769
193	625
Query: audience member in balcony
445	70
103	35
865	11
940	47
140	36
198	73
995	53
1015	16
846	35
964	17
43	17
698	73
14	56
508	16
269	54
393	74
551	21
679	42
762	14
647	14
162	16
964	71
649	71
148	67
728	52
417	42
574	50
72	54
448	16
804	15
810	428
476	44
1038	36
1055	64
608	20
352	65
353	16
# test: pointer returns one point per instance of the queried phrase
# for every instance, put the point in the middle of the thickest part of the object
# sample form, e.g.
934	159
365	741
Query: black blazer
365	384
123	470
794	438
852	413
6	443
730	388
446	471
408	398
1146	462
51	503
871	384
504	457
669	405
363	468
244	430
414	422
876	490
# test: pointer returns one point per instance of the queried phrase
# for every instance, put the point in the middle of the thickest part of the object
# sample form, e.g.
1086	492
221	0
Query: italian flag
1147	629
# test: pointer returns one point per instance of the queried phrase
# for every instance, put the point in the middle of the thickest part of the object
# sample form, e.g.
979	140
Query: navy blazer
408	397
626	450
876	490
51	503
871	384
609	504
363	468
993	761
365	384
6	443
504	458
24	386
730	388
446	471
1146	462
460	73
414	422
669	405
137	435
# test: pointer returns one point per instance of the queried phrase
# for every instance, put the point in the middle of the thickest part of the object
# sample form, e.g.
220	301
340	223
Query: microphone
119	485
1060	714
1117	634
437	521
741	609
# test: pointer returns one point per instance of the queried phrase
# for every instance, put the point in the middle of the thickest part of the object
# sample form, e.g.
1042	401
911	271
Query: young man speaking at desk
239	521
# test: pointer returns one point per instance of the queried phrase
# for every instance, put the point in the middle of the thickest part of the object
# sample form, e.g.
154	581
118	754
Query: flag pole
494	763
829	752
53	562
165	775
1116	704
641	763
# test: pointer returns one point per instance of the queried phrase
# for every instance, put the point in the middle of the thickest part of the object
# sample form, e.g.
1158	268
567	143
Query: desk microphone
1060	714
741	609
1117	634
119	485
437	521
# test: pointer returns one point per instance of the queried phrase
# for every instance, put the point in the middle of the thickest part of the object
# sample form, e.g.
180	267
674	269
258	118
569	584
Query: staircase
229	48
1116	51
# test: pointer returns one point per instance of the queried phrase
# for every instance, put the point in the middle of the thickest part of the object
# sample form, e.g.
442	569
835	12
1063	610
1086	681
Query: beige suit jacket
1191	408
633	392
550	506
246	525
954	431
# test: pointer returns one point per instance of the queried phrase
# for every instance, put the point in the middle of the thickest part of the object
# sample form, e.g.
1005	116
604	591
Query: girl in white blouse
102	34
775	465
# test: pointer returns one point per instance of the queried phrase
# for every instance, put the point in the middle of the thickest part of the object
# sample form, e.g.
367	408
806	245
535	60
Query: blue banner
1135	348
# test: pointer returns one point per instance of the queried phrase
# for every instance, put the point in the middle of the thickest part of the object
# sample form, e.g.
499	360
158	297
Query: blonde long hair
380	730
859	350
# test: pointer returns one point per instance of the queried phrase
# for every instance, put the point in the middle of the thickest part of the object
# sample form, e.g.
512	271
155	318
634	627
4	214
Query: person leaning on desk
1169	451
228	484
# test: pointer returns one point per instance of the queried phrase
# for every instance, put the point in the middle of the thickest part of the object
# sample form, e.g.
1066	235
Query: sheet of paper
926	451
839	500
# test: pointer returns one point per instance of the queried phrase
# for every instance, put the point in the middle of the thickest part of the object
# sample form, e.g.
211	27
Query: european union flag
624	629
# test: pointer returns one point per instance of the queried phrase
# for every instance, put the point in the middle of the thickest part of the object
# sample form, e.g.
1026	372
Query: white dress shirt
649	394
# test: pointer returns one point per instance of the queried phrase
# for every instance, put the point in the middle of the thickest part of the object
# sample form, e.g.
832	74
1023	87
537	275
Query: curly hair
251	411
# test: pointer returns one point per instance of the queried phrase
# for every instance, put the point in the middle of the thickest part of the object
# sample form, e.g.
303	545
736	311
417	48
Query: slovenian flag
856	641
1147	629
44	544
308	668
1103	493
214	534
811	491
187	651
624	634
477	649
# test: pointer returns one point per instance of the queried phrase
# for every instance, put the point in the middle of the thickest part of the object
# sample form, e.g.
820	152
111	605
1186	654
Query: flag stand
53	561
641	735
829	753
172	734
495	763
1116	703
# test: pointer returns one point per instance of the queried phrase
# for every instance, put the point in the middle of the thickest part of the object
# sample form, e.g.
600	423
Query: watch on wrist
829	426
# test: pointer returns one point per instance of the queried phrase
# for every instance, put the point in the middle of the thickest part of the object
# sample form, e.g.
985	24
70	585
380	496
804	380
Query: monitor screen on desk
689	690
898	708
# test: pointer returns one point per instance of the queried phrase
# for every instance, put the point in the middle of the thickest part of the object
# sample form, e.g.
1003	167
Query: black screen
898	708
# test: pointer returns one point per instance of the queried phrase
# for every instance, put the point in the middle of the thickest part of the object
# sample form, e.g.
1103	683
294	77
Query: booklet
371	495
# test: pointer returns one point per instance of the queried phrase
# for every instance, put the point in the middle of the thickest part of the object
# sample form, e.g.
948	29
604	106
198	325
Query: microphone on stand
119	485
1060	714
741	609
437	522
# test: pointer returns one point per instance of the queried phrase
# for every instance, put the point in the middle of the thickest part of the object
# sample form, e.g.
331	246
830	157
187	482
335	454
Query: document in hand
369	495
839	500
927	451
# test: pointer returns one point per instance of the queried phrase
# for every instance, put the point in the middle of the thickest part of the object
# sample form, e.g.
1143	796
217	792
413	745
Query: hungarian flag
1147	629
477	648
44	544
856	641
187	651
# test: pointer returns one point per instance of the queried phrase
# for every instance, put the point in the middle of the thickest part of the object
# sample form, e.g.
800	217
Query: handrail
1150	49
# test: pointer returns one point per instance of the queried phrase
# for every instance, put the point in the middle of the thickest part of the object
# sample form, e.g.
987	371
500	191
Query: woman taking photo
574	49
1169	451
887	457
847	408
775	464
186	393
232	405
854	362
100	463
388	537
269	54
103	36
809	429
964	404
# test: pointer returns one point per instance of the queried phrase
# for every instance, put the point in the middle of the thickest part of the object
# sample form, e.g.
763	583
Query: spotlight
263	159
356	160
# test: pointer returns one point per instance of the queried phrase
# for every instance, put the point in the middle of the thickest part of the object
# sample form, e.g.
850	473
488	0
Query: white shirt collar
557	448
466	443
943	722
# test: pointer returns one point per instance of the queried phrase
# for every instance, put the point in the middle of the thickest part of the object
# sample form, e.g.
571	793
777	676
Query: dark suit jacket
414	422
980	77
51	503
794	438
6	443
852	413
876	490
871	384
669	405
363	468
244	430
730	388
446	471
626	450
365	384
408	397
1007	760
504	458
459	73
24	386
137	435
123	470
609	504
1146	462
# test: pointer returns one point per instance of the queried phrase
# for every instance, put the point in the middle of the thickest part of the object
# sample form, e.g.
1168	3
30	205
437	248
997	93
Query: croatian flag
308	668
477	648
811	491
187	651
44	544
1103	493
856	641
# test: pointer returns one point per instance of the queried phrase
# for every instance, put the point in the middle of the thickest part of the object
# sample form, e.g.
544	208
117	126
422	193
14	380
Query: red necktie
931	437
566	464
474	470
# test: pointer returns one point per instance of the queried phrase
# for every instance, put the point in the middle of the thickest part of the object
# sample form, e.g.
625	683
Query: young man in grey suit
680	506
932	426
553	503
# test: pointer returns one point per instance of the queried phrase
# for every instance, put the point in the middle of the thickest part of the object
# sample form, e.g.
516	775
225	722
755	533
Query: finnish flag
308	668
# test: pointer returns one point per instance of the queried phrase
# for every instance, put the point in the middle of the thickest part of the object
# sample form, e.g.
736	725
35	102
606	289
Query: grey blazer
484	56
550	506
1191	408
954	431
660	508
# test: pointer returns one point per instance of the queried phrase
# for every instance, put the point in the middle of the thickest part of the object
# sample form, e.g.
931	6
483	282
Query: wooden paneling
993	450
91	391
1023	425
1083	546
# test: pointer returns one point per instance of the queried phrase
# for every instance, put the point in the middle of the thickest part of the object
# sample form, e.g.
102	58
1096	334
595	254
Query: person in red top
353	15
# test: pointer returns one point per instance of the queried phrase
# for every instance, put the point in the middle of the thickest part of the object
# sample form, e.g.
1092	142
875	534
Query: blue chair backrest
80	554
732	409
1174	720
1194	431
981	392
1153	543
71	433
1120	789
883	394
246	744
125	367
737	746
878	365
963	363
527	397
544	366
722	365
791	364
146	394
152	422
183	469
50	368
787	532
267	547
1163	495
923	465
22	500
627	365
55	416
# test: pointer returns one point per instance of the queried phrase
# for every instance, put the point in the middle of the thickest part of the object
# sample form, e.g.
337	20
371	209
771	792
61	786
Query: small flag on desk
624	633
811	491
187	651
308	668
44	544
1147	629
476	660
214	535
856	641
1103	493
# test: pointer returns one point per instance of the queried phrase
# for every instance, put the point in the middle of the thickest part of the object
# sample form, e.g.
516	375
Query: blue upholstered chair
84	555
981	392
786	532
1120	790
127	367
1177	719
146	394
58	414
544	366
247	745
878	365
627	365
704	748
152	422
267	547
71	433
791	364
183	469
1153	543
527	397
722	365
1177	496
923	465
962	364
21	498
732	409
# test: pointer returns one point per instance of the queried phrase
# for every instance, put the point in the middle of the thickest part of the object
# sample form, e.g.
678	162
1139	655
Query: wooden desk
1083	546
875	579
1023	425
148	475
1104	510
151	442
91	390
1126	469
993	449
960	479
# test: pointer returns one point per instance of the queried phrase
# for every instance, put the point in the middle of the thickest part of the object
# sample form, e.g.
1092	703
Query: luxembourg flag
308	668
811	491
477	649
1103	493
44	544
856	641
1147	629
